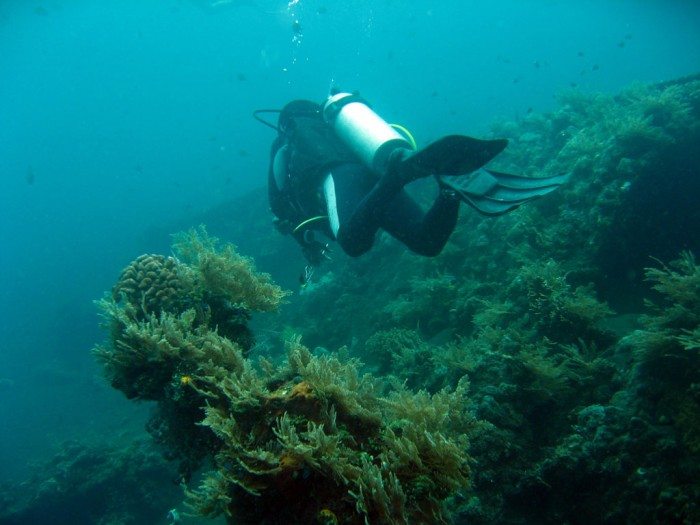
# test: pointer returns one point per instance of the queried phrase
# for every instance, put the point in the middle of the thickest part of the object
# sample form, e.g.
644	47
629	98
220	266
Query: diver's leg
423	233
365	204
356	207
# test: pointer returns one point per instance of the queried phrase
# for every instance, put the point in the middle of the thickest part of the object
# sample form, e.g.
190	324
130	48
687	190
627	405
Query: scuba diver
337	171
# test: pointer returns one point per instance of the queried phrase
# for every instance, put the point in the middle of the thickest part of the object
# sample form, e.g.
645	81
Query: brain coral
152	282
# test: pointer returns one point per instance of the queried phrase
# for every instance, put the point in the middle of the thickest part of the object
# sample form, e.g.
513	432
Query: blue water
121	117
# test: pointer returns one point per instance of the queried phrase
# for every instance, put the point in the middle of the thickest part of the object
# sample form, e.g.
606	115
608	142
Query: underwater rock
93	484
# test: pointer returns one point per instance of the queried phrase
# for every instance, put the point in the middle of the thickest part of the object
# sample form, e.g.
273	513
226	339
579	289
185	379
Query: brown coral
153	283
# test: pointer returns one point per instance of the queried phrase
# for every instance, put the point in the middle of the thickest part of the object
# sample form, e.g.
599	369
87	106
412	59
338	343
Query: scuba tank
377	143
362	130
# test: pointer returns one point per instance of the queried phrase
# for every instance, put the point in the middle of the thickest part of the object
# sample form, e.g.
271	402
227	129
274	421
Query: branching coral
403	354
690	339
559	310
427	304
223	272
327	433
679	285
145	356
667	350
674	319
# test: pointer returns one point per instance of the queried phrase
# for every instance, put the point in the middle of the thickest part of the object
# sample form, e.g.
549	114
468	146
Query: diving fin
495	193
451	155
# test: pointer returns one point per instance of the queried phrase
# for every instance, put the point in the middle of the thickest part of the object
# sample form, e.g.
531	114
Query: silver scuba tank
364	132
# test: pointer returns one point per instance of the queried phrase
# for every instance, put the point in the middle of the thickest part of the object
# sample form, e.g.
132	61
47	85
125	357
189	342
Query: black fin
518	182
494	193
487	206
452	155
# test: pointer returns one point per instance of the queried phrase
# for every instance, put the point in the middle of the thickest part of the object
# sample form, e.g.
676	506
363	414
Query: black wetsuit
364	202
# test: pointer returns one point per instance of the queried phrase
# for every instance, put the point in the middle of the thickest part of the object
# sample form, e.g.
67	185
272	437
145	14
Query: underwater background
550	355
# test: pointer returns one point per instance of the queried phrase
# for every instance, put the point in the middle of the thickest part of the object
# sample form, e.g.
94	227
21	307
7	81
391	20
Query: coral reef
308	441
581	362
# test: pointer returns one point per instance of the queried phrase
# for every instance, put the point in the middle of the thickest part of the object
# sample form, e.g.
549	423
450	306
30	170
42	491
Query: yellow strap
308	221
407	134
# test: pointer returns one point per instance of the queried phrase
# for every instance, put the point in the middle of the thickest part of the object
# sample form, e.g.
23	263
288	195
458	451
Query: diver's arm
315	251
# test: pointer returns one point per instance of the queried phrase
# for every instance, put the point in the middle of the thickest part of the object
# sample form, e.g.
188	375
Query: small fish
29	176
